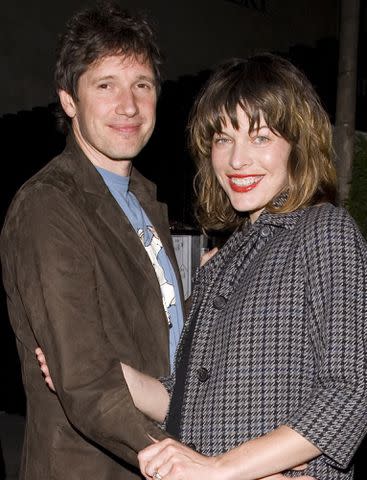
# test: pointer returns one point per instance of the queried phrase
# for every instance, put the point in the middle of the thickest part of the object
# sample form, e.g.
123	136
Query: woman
271	368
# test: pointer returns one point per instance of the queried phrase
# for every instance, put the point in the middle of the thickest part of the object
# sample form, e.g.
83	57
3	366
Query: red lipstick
244	183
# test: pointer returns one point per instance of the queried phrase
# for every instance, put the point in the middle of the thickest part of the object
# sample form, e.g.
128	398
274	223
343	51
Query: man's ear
67	103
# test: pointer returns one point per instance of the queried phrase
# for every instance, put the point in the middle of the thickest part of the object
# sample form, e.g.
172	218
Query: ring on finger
157	476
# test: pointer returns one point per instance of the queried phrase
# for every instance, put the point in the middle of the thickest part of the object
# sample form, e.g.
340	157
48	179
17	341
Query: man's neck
120	167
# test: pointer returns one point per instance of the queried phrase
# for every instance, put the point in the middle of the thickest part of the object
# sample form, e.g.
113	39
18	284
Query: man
88	264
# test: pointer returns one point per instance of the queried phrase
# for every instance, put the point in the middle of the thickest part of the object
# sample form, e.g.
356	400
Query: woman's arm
148	394
242	462
279	450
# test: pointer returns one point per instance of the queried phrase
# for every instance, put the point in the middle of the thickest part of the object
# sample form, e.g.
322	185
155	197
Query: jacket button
203	374
265	231
192	446
219	302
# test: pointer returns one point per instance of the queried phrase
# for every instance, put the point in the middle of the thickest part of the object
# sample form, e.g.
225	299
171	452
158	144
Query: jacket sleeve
334	417
49	261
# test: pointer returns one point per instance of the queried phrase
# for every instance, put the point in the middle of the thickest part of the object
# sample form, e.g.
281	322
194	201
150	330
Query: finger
280	476
301	467
161	464
164	470
170	459
153	457
41	359
40	356
45	370
50	384
208	255
148	455
213	252
155	448
149	467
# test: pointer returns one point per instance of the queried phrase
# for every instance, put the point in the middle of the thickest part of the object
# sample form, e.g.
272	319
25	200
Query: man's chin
125	153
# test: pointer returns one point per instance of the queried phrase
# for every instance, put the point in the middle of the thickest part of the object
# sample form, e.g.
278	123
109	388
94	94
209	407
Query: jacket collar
282	220
86	175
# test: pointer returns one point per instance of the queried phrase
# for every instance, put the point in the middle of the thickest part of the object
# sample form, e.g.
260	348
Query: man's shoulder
61	175
55	184
55	174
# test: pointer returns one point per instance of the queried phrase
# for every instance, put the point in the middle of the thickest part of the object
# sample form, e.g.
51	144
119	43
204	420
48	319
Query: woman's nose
241	156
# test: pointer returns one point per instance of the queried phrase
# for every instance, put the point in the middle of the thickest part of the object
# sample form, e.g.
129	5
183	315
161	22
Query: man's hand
171	460
43	365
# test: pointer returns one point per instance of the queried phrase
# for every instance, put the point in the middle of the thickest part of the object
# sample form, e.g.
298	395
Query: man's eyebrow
139	78
146	78
103	78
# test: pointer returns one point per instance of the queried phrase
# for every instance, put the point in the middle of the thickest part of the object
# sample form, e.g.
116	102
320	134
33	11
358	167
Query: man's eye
103	86
144	85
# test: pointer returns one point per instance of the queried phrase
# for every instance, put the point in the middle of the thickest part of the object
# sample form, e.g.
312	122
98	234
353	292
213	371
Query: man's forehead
122	61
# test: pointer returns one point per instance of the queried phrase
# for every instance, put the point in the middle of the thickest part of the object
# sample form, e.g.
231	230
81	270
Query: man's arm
148	394
50	259
270	451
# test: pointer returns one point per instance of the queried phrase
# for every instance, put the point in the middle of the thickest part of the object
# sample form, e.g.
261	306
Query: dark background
195	35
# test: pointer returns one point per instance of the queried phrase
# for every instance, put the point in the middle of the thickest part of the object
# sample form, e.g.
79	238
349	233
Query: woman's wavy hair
269	85
95	33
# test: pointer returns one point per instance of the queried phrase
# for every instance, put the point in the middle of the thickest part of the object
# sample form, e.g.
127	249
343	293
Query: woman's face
251	168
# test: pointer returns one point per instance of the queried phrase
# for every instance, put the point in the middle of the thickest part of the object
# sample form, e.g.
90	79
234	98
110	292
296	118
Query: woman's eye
221	140
103	86
260	139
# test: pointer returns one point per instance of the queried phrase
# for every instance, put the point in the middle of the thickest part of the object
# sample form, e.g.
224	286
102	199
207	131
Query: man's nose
126	104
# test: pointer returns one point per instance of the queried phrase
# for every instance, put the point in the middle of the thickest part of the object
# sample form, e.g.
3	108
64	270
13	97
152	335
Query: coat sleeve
334	417
49	262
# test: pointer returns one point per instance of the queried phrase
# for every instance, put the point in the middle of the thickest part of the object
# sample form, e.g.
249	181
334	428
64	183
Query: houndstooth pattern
286	342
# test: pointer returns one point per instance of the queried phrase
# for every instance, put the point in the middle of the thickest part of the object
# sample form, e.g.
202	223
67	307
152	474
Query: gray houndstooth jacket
280	338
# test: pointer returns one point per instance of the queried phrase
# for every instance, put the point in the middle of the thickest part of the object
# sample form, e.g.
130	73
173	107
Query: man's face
114	115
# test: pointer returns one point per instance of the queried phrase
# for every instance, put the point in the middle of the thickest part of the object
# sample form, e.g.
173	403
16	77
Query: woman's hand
207	256
171	460
43	366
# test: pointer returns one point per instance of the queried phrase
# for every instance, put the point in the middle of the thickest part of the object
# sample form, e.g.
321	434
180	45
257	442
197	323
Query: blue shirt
118	185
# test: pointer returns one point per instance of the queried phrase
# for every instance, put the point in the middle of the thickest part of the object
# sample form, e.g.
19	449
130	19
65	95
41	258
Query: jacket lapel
121	238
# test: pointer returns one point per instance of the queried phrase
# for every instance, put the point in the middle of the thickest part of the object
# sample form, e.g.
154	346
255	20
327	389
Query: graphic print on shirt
153	247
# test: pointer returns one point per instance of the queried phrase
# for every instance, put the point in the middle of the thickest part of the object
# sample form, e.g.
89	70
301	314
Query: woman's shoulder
326	215
327	223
